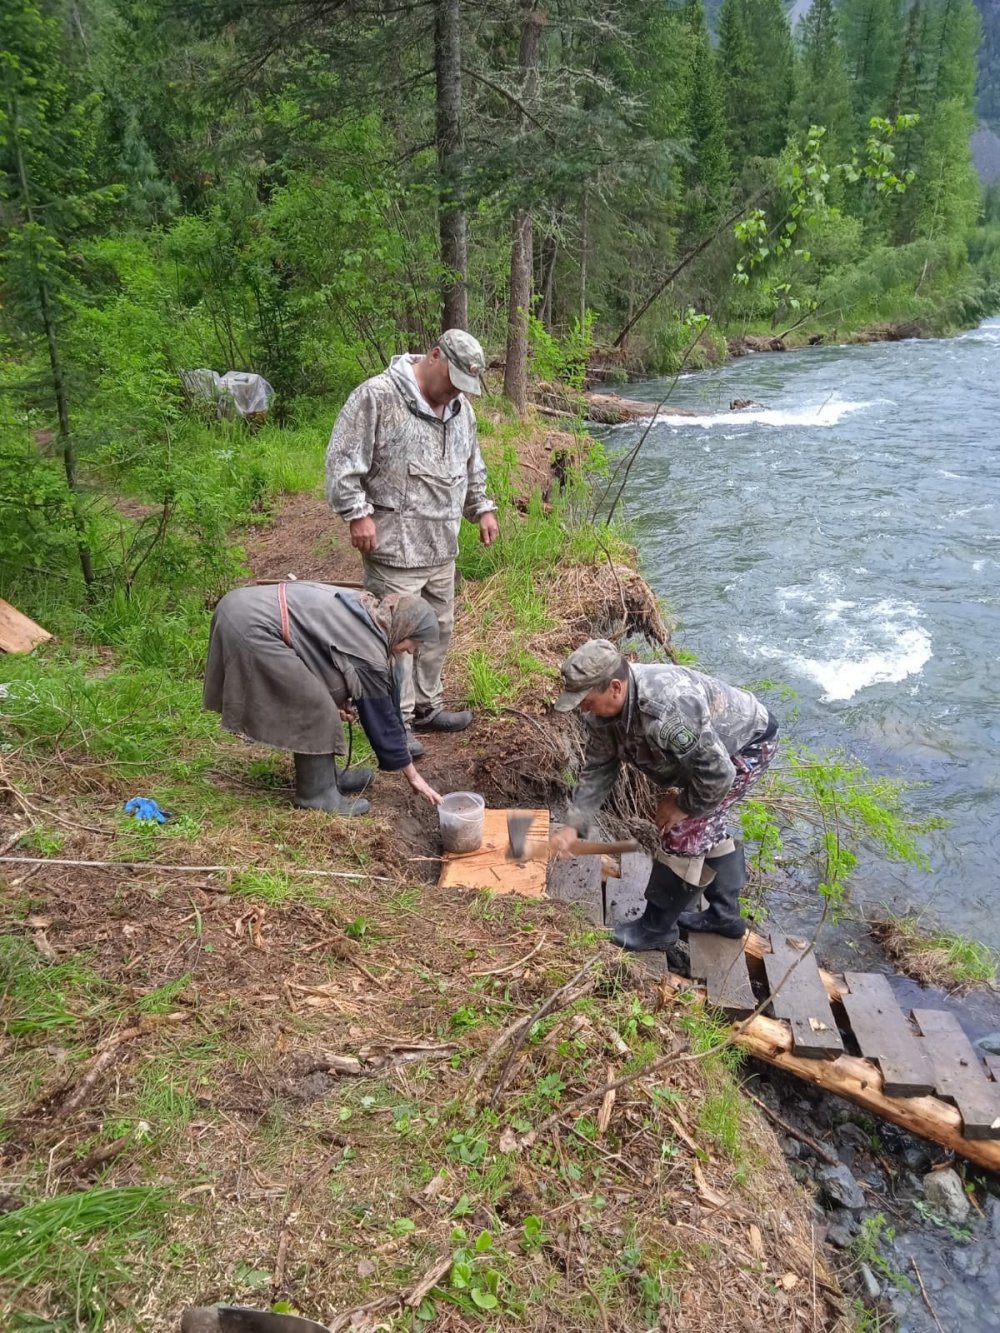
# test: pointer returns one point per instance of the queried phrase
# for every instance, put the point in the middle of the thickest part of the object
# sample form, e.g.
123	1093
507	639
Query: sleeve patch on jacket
677	738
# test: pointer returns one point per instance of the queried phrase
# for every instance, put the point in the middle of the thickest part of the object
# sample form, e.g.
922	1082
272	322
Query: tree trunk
55	365
515	378
584	241
551	246
452	223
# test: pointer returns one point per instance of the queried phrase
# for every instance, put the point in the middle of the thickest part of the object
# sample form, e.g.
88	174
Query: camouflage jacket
414	472
680	728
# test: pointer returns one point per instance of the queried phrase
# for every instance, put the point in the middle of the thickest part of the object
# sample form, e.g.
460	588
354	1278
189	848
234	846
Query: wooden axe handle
603	848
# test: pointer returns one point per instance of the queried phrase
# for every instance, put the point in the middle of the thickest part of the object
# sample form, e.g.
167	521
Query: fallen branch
923	1292
511	967
105	1056
99	1156
185	870
430	1279
516	1034
812	1144
368	1061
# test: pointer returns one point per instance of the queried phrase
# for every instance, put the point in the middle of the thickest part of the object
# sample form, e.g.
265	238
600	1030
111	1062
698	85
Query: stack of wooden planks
918	1070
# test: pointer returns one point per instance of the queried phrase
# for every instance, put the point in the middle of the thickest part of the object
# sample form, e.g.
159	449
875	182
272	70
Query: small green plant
870	1247
46	842
930	1214
357	929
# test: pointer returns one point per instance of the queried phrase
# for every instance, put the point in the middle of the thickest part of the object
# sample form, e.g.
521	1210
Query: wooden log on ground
860	1081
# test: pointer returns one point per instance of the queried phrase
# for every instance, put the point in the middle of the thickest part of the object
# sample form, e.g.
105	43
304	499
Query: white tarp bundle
237	392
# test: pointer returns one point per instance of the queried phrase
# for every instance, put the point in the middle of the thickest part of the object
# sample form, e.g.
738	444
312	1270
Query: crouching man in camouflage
403	468
701	741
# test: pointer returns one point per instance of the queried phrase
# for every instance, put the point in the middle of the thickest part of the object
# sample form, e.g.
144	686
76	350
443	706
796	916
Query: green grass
489	687
136	716
936	957
74	1248
39	996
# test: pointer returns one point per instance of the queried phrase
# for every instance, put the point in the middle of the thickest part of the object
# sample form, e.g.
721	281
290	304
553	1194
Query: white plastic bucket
460	815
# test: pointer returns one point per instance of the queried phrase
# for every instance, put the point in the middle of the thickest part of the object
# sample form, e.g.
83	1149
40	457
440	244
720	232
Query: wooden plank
959	1074
722	964
759	946
860	1081
489	868
19	634
801	998
885	1035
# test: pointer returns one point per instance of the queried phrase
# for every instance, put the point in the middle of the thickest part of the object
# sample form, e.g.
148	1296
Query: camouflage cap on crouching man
588	668
465	358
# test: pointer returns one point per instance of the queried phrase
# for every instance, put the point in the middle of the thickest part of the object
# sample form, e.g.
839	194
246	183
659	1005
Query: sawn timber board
18	633
722	965
489	868
959	1073
884	1034
801	998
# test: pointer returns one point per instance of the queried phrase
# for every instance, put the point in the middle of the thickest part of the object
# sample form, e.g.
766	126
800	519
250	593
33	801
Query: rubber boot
723	916
316	786
667	895
414	746
442	720
353	781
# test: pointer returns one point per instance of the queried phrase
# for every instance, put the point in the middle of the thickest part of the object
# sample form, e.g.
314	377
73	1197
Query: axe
236	1319
518	824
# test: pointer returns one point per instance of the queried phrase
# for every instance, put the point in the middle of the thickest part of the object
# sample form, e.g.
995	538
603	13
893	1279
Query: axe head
237	1319
518	826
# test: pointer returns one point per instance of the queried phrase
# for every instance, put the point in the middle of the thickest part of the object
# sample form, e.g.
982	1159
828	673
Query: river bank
258	1056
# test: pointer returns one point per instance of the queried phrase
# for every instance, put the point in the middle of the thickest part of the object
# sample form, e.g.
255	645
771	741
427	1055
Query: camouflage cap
465	358
590	667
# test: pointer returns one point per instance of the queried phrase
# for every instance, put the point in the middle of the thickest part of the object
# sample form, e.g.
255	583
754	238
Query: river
843	540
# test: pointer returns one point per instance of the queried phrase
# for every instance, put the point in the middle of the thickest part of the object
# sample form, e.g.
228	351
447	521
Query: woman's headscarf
405	616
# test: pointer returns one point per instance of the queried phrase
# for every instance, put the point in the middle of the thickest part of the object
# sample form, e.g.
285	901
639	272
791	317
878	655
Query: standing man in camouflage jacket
704	744
403	468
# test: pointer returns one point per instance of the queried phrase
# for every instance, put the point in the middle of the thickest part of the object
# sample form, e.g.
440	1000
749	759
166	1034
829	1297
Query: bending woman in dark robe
289	663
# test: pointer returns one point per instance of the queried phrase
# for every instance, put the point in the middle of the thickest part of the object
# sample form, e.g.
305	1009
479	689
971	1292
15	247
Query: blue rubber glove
144	808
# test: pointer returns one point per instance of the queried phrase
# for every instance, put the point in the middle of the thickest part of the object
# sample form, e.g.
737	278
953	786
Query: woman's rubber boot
316	786
723	916
667	896
353	781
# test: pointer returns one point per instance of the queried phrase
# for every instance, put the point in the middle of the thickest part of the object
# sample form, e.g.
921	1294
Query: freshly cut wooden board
489	868
18	634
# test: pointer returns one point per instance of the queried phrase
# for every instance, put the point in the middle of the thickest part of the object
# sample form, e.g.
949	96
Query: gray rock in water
990	1044
839	1185
992	1209
945	1193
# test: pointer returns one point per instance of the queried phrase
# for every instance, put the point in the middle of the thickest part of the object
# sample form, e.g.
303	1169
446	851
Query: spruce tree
707	171
756	71
872	35
823	94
